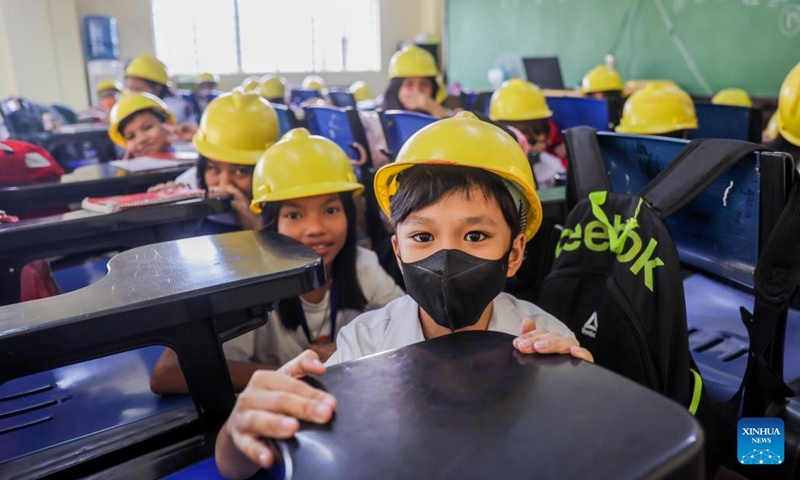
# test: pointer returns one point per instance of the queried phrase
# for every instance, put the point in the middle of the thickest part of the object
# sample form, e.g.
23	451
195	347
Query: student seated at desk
522	107
413	83
360	91
250	84
205	90
734	97
108	92
273	88
662	109
462	197
603	83
413	86
142	124
788	117
304	188
147	74
234	131
315	82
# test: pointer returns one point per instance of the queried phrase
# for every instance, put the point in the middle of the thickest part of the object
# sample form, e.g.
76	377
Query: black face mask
455	287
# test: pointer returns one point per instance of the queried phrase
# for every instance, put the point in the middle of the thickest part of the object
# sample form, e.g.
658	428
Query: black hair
162	91
682	134
423	185
530	128
202	166
127	120
344	272
391	96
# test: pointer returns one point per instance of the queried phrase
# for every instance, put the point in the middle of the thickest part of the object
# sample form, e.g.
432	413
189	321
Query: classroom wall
400	20
39	48
703	45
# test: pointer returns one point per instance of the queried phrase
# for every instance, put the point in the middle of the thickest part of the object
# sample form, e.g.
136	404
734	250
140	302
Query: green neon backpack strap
697	392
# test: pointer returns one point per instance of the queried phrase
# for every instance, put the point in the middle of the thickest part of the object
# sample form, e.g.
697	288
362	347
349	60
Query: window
253	36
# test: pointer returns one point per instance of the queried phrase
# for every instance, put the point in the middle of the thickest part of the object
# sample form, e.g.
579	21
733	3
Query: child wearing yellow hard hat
236	128
788	116
661	108
602	82
147	74
205	90
522	106
414	84
462	197
108	92
734	97
273	88
142	124
304	187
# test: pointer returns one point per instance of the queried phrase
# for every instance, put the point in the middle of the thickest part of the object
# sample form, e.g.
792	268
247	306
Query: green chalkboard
750	44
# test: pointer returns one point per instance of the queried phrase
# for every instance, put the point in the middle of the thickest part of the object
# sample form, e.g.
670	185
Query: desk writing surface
164	272
468	405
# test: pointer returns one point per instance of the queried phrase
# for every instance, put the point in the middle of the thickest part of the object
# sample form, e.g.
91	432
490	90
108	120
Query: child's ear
516	255
396	248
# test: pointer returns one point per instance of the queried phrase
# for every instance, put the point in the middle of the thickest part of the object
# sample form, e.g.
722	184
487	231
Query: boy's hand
272	405
533	340
324	350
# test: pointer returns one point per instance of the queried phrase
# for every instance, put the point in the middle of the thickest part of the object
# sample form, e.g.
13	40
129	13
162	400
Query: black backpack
623	296
616	280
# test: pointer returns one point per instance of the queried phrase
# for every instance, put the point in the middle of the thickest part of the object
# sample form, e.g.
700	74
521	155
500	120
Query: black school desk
468	406
188	294
83	231
101	180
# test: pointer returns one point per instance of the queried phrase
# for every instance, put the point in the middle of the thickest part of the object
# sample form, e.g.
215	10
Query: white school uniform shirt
546	169
272	344
397	325
180	109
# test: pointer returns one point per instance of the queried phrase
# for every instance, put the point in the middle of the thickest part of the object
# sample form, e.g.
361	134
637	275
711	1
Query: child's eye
423	237
292	215
332	210
475	236
242	172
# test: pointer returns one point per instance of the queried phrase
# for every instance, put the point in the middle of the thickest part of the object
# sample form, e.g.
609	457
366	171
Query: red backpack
23	163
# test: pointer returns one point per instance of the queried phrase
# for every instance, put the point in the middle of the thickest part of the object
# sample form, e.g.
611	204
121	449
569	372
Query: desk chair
342	98
726	121
720	236
192	307
299	95
399	125
287	120
571	112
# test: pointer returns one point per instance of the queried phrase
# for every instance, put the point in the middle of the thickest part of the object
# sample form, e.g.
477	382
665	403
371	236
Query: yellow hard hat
148	67
518	100
789	107
771	131
130	103
412	61
735	97
601	79
237	127
250	84
272	86
466	141
313	82
360	91
207	78
109	84
302	165
660	107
